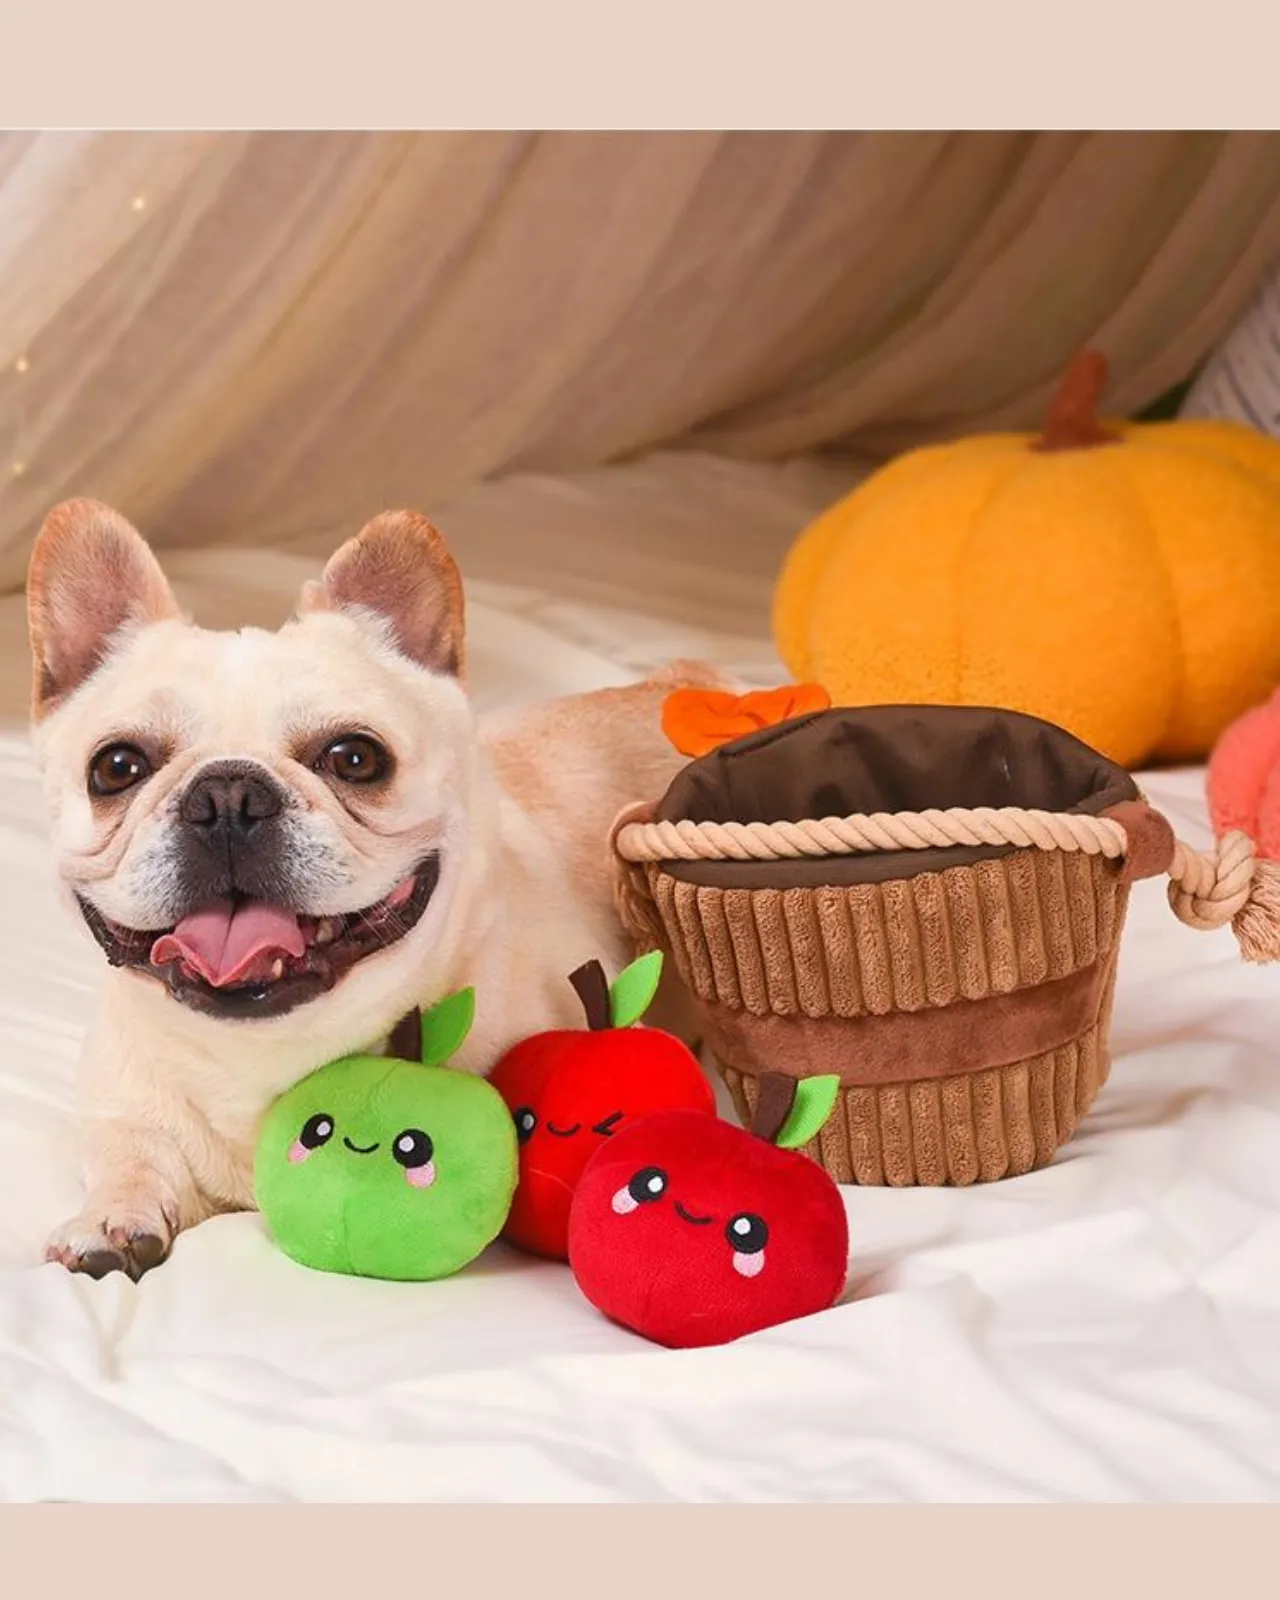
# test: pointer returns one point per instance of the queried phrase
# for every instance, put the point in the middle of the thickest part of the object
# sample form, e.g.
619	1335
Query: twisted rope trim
1208	891
879	830
1205	891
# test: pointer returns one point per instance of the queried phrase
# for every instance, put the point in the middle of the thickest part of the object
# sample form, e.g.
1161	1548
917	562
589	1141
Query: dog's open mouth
242	957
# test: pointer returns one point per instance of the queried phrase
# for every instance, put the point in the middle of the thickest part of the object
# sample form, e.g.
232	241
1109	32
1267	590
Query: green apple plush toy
390	1168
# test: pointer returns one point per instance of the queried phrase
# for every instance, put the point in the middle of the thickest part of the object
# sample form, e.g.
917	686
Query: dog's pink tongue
226	942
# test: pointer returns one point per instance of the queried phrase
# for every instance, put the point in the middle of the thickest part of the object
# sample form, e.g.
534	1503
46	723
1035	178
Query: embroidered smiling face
573	1090
386	1168
694	1232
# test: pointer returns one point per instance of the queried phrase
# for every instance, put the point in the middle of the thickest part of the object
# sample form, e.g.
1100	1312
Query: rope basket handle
1232	885
1206	891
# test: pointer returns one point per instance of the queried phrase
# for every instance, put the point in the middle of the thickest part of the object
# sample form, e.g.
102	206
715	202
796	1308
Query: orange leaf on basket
699	720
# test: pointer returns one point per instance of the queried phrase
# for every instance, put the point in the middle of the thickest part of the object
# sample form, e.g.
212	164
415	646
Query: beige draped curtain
259	339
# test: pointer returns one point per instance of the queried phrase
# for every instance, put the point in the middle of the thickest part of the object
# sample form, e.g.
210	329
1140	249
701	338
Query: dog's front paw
129	1240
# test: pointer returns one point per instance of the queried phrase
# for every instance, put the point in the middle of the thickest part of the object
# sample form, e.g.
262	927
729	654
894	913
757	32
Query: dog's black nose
230	798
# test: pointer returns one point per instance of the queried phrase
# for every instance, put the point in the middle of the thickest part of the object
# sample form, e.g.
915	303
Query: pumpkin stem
1072	421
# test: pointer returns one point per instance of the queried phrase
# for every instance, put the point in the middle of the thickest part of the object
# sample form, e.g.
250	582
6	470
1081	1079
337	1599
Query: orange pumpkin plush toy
1121	580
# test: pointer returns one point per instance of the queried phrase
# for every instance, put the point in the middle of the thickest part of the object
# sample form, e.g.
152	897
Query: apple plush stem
622	1002
405	1043
593	990
791	1111
441	1033
775	1095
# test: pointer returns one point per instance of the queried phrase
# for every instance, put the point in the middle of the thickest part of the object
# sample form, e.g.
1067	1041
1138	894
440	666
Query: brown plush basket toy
925	900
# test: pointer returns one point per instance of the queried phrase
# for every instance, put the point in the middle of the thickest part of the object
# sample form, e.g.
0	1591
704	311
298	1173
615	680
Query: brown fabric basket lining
885	758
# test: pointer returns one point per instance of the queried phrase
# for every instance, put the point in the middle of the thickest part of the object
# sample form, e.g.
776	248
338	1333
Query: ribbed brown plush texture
874	948
971	932
965	1129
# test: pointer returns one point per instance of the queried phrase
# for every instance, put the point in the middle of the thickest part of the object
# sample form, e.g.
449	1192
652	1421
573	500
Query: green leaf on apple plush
814	1102
446	1026
631	992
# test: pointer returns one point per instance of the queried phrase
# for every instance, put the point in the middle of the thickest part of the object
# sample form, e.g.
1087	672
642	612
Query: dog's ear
399	569
91	574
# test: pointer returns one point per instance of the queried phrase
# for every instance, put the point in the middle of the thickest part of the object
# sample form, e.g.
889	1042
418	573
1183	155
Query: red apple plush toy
573	1090
691	1231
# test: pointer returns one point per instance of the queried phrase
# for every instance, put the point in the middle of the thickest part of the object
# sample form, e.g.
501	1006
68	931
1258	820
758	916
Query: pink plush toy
1244	779
1244	805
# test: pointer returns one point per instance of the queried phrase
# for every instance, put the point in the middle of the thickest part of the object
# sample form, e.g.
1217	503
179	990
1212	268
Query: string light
18	467
22	363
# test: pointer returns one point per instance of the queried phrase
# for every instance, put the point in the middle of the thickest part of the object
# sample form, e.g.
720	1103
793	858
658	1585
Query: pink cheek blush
298	1152
748	1266
421	1177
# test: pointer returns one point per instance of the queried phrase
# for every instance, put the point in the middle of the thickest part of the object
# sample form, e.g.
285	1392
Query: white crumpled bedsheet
1107	1329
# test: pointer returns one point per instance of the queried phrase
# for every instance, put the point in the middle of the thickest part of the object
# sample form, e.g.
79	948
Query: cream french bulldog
283	841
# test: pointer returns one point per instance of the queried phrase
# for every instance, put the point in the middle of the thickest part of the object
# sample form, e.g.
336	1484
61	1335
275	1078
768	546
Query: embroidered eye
316	1131
748	1234
648	1185
412	1148
526	1121
607	1126
117	767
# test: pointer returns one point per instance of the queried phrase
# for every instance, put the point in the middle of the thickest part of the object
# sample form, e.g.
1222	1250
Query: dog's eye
412	1148
117	767
355	758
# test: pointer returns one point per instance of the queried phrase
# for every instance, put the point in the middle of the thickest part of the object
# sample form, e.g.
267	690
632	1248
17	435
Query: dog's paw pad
96	1249
98	1263
143	1251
